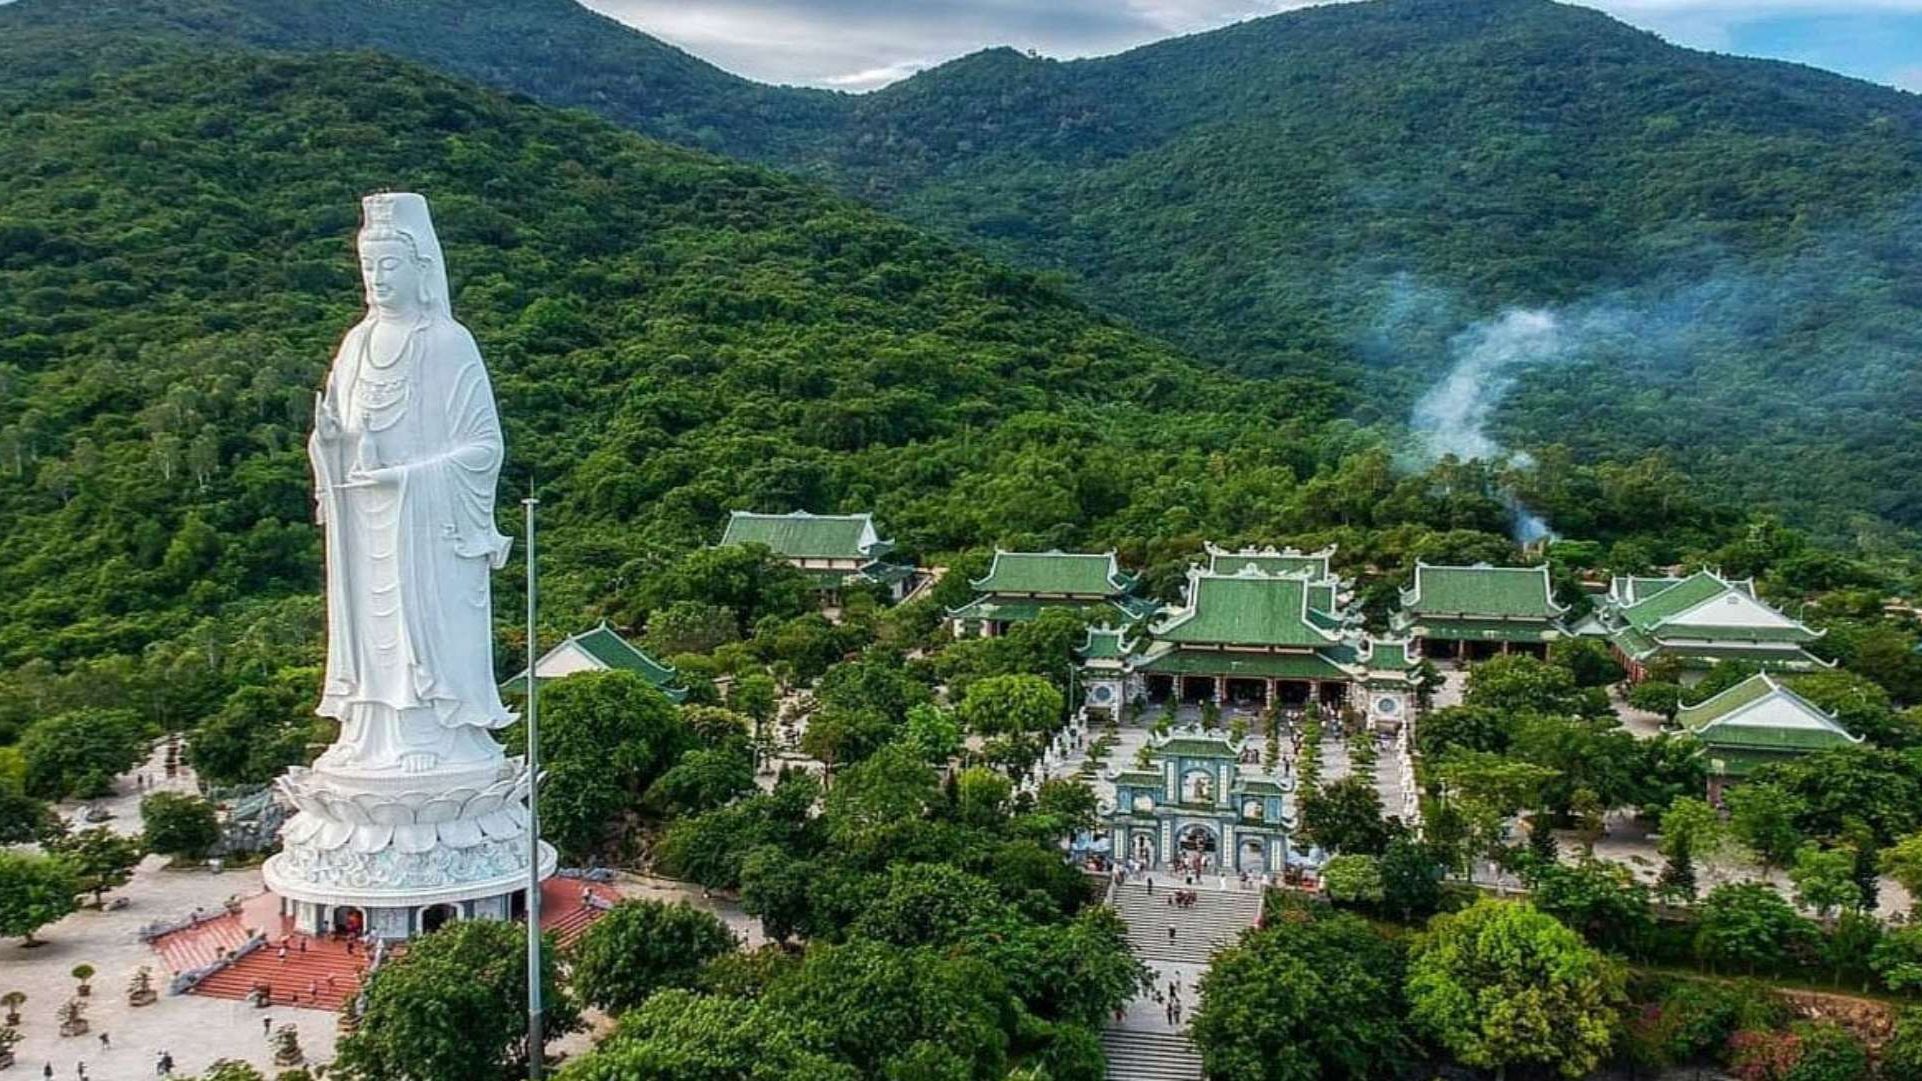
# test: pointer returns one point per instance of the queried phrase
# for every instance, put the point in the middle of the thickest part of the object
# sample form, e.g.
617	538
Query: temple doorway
1254	856
1160	688
1333	696
435	917
1248	692
1199	843
349	921
1142	849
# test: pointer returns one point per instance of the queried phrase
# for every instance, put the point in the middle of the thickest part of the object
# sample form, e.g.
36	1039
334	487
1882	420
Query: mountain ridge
1268	195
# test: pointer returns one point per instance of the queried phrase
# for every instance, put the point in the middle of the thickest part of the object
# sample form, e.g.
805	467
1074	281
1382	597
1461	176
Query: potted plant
73	1017
140	992
8	1037
13	1000
84	972
287	1050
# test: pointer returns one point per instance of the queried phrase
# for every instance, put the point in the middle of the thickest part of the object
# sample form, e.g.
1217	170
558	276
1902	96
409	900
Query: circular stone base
376	903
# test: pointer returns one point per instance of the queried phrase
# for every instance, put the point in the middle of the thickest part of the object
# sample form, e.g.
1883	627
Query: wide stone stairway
1213	921
1150	1056
1142	1047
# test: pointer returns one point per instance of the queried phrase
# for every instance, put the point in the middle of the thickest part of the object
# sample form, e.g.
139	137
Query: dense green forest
671	336
1329	196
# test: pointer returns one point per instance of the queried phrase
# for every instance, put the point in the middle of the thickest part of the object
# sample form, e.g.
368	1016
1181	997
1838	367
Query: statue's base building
398	855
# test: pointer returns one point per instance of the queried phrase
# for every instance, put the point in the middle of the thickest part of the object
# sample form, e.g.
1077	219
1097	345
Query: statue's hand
369	478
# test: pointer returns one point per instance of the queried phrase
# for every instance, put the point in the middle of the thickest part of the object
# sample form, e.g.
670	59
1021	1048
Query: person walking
105	1043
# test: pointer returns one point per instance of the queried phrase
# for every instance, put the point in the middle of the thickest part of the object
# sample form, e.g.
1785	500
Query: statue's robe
409	624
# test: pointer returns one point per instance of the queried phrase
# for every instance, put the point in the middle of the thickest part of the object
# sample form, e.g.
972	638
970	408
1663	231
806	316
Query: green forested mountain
553	50
1331	194
670	335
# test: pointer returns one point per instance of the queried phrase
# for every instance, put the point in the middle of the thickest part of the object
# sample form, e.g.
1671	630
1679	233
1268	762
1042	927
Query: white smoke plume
1452	418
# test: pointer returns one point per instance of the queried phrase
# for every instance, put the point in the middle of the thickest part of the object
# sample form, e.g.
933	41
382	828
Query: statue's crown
398	211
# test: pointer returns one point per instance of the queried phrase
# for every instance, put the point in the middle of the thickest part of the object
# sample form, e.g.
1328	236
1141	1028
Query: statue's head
394	275
400	257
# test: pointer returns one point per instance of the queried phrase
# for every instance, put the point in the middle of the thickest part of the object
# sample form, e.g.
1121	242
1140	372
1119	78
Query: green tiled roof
801	535
1634	643
1478	630
1196	746
886	573
1258	786
1653	614
1750	690
1789	660
1633	588
1270	561
613	653
1321	597
1482	591
1082	574
1674	600
1734	719
1243	609
1024	609
1389	654
1102	643
1213	662
1138	777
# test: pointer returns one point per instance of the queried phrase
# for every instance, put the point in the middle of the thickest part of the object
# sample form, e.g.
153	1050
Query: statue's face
392	276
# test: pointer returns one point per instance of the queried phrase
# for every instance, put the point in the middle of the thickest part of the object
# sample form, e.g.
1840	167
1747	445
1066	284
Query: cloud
864	44
861	44
870	78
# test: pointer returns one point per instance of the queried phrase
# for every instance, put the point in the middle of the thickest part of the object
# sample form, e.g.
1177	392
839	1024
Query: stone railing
162	928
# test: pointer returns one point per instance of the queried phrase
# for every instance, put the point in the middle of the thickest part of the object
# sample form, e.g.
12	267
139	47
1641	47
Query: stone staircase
322	977
201	944
1150	1056
1214	920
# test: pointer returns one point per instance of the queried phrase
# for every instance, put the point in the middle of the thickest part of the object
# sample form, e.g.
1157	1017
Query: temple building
1021	585
1256	629
1201	796
600	650
833	550
1755	722
1698	621
1475	612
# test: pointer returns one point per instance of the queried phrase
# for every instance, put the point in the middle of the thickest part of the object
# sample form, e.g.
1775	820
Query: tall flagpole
536	1043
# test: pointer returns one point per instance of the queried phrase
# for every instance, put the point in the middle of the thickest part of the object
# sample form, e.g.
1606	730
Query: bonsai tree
84	972
73	1017
13	1000
287	1050
140	991
8	1037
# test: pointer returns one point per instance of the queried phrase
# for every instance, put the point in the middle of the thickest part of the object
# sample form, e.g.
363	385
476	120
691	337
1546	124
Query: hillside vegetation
671	336
1328	195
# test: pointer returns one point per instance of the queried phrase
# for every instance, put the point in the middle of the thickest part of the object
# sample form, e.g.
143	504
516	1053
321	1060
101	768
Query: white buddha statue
406	451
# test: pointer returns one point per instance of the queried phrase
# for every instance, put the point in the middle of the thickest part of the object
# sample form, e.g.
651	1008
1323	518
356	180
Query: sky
863	44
